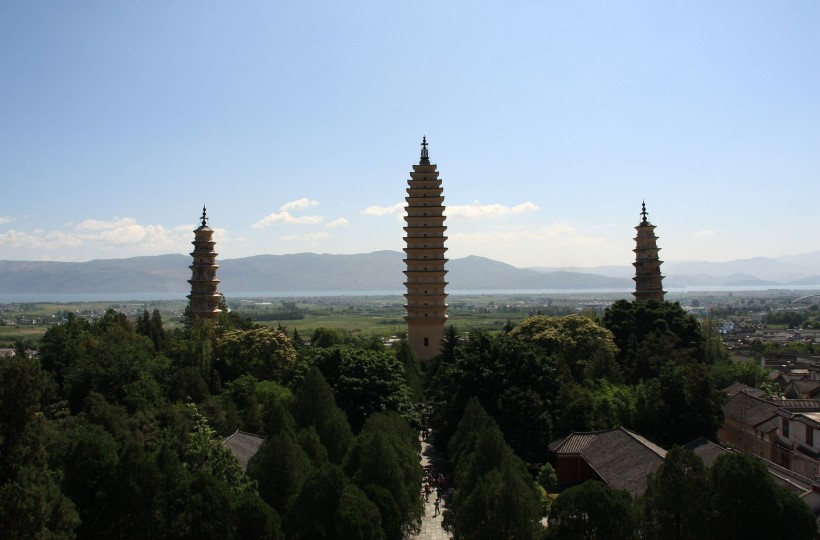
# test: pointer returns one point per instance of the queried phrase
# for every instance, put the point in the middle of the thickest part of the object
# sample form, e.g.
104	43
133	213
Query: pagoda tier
424	251
648	278
204	297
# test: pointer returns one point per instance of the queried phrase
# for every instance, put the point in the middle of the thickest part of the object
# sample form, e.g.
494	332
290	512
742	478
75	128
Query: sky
297	125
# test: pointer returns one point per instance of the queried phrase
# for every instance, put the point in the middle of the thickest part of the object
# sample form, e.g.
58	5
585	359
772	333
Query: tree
366	382
592	510
671	328
573	339
681	405
326	337
329	506
514	381
675	505
495	496
280	468
385	455
265	353
746	503
117	363
314	405
151	327
32	504
204	452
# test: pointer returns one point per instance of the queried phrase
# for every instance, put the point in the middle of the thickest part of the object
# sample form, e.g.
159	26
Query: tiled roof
243	446
706	450
623	459
735	388
795	405
573	443
748	410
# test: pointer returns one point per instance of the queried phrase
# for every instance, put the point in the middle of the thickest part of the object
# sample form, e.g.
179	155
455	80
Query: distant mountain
309	272
757	271
378	271
786	270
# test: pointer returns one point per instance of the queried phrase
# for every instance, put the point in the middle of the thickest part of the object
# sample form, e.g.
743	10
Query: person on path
435	505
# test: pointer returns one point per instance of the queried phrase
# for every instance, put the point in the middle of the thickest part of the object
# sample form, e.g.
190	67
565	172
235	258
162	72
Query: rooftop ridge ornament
425	157
644	213
204	216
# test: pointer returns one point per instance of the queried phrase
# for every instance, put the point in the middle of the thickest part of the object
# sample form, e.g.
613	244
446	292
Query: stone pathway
430	525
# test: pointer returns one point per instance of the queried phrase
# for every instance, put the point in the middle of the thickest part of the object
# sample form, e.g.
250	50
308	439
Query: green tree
574	340
329	506
365	382
151	326
385	455
514	381
118	363
495	496
265	353
675	505
280	468
33	506
746	503
592	511
314	406
204	452
326	337
667	325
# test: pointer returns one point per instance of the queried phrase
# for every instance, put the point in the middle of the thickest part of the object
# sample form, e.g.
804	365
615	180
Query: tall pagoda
426	300
648	278
204	297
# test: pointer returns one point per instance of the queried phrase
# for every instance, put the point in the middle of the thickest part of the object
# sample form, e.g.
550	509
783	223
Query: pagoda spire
424	256
425	157
648	278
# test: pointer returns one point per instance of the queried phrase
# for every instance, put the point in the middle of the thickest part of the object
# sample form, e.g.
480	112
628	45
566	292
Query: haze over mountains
380	271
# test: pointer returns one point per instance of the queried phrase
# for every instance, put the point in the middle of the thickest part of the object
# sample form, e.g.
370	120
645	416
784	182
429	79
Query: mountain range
379	271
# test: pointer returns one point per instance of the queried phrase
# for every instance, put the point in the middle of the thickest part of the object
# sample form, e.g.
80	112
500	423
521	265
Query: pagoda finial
643	212
204	216
425	158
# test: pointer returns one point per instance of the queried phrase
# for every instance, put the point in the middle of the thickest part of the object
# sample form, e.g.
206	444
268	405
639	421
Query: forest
113	429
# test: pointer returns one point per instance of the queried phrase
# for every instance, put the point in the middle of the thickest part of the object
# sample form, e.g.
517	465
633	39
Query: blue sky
297	123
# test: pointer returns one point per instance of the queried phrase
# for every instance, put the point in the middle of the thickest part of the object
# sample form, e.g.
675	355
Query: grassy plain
381	316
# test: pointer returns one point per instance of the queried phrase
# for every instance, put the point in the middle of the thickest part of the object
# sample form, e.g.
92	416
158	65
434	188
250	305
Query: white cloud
6	219
396	209
341	222
703	234
39	239
298	204
127	232
482	211
124	234
284	215
97	225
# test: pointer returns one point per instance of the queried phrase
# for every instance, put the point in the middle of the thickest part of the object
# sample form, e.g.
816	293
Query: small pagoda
424	251
204	297
648	278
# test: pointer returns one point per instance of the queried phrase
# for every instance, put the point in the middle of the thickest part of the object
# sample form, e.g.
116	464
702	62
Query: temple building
424	252
648	278
204	296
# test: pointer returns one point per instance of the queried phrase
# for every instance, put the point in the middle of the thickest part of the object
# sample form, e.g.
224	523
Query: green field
381	316
365	316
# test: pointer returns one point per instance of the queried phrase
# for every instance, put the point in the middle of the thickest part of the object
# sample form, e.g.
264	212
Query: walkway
431	526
